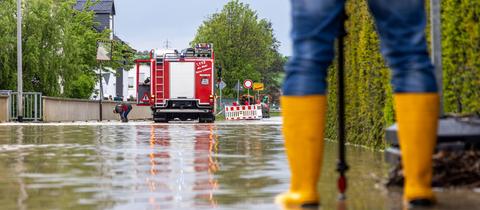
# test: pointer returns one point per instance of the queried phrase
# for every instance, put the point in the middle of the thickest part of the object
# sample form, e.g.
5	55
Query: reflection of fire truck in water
186	176
180	85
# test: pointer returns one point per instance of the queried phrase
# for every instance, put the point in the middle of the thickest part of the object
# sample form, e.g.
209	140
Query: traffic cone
417	117
303	129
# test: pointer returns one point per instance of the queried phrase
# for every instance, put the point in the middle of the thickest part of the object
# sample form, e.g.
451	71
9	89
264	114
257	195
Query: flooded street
141	165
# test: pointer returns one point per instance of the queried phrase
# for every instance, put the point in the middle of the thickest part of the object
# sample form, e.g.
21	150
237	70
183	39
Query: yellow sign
258	86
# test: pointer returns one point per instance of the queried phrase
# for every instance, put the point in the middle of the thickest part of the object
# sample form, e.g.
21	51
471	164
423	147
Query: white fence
248	112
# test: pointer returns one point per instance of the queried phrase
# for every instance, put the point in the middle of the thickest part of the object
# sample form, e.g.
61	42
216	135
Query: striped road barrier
246	112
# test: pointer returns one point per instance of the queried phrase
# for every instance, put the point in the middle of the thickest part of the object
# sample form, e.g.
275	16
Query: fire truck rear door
182	80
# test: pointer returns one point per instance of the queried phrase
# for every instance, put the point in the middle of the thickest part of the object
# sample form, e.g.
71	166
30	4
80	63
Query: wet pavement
141	165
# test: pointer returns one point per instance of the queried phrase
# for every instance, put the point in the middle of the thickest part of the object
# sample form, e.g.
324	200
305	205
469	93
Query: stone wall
68	110
4	108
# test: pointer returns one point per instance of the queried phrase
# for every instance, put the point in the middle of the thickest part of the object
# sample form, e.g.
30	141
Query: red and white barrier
247	112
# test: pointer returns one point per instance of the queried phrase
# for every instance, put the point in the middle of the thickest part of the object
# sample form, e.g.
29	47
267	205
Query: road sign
247	84
104	50
145	98
258	86
222	85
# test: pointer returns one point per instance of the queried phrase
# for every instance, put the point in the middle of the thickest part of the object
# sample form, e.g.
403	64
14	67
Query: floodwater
141	165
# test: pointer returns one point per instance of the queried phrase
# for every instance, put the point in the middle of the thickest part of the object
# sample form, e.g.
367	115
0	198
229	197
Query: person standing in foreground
401	27
123	109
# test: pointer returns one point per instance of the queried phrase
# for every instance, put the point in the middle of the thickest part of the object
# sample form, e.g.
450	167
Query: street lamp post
100	108
19	63
104	54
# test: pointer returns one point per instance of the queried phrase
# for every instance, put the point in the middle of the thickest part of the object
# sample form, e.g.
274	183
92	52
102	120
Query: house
104	14
114	82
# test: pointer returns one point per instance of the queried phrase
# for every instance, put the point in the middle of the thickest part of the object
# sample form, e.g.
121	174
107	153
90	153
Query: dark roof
103	20
116	38
101	7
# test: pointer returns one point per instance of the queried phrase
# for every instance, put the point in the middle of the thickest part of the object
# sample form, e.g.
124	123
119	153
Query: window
130	82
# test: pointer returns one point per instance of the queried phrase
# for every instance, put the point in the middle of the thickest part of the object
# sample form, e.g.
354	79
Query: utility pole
19	63
238	91
167	44
220	93
436	36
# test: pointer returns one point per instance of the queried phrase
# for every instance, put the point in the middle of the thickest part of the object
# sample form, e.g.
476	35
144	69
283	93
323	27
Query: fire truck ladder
159	82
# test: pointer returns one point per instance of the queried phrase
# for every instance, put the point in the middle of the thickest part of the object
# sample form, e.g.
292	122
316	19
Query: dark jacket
122	107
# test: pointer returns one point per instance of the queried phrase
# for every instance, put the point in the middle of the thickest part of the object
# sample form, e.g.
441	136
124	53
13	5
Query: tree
81	87
7	44
244	44
273	76
59	47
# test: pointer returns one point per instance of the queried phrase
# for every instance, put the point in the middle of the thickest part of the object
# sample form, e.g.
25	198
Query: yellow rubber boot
303	129
417	117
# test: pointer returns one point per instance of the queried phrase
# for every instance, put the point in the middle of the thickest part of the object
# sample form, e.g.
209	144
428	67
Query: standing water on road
227	165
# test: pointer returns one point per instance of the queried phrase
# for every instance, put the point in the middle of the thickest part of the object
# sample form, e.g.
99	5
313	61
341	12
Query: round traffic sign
247	83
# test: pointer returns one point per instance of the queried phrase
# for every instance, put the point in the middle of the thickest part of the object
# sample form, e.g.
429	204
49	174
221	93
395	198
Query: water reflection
188	160
176	166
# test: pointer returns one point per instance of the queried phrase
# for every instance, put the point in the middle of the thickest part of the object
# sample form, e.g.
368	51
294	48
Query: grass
275	114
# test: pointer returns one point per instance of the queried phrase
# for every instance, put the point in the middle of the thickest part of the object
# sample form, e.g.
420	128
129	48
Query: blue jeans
400	24
125	113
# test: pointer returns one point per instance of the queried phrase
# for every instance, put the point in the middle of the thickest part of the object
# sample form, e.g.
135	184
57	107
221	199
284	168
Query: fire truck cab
181	84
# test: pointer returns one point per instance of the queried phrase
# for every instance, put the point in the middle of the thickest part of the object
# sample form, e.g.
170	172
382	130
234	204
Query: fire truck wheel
206	118
161	119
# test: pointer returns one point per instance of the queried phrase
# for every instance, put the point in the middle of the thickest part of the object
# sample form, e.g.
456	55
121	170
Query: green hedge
461	55
369	104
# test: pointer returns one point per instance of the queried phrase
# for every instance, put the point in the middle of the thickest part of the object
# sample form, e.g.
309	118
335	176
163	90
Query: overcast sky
147	24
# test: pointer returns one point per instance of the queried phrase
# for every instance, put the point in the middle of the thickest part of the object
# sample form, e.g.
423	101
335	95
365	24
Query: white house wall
109	87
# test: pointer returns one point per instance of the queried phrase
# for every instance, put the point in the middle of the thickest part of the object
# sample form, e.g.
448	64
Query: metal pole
436	36
19	63
35	108
100	109
238	90
342	166
220	93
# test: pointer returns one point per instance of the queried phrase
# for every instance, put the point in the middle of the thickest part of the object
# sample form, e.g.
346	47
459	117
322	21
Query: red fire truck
178	85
